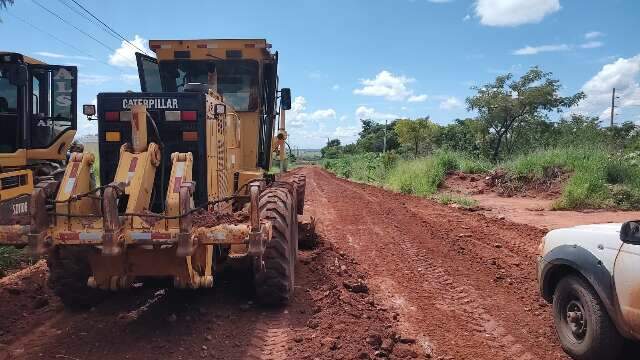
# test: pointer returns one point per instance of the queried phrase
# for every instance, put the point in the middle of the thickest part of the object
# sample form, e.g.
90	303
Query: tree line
514	116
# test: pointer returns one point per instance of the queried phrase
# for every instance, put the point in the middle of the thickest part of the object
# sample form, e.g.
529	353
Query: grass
10	258
448	199
598	178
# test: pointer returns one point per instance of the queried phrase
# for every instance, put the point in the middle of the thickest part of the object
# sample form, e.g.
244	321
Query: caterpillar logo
162	103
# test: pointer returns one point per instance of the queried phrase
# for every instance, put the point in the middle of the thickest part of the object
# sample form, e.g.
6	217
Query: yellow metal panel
18	158
57	151
26	188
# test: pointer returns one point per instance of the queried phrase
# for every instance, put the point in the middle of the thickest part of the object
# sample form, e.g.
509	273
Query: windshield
8	93
235	80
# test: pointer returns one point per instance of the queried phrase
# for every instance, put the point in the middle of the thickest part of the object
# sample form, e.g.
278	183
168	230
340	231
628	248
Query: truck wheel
69	271
274	282
582	323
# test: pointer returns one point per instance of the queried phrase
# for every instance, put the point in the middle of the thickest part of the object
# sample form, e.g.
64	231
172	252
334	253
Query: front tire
274	282
582	323
69	271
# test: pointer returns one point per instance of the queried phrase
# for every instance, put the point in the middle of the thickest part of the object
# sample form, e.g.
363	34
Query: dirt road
442	283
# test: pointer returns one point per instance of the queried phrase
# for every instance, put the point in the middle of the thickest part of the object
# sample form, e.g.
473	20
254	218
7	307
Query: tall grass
597	178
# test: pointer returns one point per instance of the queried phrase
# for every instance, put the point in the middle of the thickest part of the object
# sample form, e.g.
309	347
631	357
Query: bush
462	201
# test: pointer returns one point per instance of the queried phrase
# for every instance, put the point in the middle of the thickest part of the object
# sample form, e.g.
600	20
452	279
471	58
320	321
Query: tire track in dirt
271	337
411	248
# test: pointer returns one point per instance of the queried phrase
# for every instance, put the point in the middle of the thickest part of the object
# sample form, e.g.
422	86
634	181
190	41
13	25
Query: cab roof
199	49
12	57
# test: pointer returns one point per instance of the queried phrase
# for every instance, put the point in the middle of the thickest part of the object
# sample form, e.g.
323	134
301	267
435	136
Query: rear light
155	46
126	115
112	136
172	115
188	115
189	136
202	46
112	116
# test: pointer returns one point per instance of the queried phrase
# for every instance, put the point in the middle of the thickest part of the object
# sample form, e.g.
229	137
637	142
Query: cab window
53	109
9	136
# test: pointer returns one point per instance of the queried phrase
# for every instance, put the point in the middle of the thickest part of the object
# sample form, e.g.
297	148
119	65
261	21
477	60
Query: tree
372	136
470	136
4	4
506	103
416	133
332	150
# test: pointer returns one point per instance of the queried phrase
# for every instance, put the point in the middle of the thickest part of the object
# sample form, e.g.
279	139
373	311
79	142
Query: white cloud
532	50
125	55
593	34
62	56
89	79
363	112
417	98
622	74
298	116
466	17
592	44
451	103
335	87
389	86
514	12
316	75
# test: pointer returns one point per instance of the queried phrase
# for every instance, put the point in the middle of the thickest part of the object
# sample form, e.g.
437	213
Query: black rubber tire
274	283
301	182
601	340
69	271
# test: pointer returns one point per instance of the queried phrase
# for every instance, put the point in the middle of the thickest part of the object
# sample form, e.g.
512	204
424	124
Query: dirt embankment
527	203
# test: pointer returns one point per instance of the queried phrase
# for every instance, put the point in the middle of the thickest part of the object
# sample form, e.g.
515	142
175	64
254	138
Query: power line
70	24
84	16
60	40
109	27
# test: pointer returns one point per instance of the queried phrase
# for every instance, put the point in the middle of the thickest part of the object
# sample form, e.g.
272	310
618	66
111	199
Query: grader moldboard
195	144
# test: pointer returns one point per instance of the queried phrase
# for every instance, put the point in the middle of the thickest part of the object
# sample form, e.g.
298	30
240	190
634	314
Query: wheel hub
576	320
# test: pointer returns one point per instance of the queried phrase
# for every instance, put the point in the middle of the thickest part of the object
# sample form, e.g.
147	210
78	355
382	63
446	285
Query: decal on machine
161	103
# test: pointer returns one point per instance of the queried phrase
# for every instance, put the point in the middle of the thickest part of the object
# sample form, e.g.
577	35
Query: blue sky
349	59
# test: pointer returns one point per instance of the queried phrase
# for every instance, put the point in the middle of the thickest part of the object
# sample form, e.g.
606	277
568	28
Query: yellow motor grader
184	167
38	123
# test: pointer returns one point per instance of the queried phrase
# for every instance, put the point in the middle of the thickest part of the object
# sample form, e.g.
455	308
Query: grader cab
184	179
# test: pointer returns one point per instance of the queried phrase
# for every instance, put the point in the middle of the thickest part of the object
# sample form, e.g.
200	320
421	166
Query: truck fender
571	258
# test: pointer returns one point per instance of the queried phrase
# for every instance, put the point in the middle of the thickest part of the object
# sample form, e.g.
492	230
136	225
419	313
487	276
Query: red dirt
533	206
423	279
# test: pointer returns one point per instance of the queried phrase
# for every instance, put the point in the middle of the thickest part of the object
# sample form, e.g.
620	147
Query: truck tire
274	282
69	271
582	323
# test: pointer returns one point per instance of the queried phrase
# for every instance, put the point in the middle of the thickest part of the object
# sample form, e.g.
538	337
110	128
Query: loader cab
243	71
37	110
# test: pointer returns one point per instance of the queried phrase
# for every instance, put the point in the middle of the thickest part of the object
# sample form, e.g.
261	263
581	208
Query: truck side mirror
630	232
285	98
18	76
89	110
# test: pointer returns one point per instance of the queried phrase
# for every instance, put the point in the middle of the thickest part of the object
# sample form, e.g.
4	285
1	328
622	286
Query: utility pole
384	147
613	105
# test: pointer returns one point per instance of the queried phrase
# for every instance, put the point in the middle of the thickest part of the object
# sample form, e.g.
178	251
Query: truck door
52	104
149	73
626	275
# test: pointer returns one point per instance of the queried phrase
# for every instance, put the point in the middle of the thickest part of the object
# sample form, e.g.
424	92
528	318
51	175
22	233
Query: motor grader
184	167
38	123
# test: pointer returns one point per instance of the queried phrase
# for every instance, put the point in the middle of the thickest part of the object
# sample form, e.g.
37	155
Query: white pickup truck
591	274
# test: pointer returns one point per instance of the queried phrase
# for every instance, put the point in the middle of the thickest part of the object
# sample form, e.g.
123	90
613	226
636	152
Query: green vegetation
448	199
512	137
10	258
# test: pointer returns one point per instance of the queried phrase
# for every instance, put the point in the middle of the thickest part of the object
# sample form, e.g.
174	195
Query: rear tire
274	283
582	323
300	182
69	271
